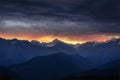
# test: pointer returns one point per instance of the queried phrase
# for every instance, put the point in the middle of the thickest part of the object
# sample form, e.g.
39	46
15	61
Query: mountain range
17	51
21	59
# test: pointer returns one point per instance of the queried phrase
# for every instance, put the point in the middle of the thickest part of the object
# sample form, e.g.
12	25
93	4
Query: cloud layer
73	21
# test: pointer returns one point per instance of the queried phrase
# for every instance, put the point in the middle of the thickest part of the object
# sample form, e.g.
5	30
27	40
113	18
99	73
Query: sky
71	21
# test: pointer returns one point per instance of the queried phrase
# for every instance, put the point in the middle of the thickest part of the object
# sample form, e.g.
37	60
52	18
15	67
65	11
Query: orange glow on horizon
68	39
45	39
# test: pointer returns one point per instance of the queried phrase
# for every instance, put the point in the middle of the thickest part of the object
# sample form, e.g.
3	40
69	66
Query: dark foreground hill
7	74
60	66
109	71
51	67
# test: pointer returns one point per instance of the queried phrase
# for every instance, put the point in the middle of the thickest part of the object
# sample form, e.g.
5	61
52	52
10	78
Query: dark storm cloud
108	28
100	10
60	17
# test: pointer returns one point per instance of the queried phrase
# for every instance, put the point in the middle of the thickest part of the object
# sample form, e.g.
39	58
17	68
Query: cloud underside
71	21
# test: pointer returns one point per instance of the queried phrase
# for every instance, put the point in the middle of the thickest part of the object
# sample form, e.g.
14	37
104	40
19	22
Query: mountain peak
35	42
56	41
53	43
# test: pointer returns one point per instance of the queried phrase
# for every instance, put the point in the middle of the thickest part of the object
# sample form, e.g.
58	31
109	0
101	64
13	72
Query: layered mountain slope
51	67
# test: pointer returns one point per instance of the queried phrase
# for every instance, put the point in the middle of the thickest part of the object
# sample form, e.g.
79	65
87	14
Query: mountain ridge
17	51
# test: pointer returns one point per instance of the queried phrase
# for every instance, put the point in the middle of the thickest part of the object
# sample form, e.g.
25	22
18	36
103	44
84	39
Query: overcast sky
68	20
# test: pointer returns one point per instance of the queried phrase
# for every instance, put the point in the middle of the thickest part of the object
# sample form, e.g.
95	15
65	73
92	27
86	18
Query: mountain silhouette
51	67
17	51
100	52
38	61
108	71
